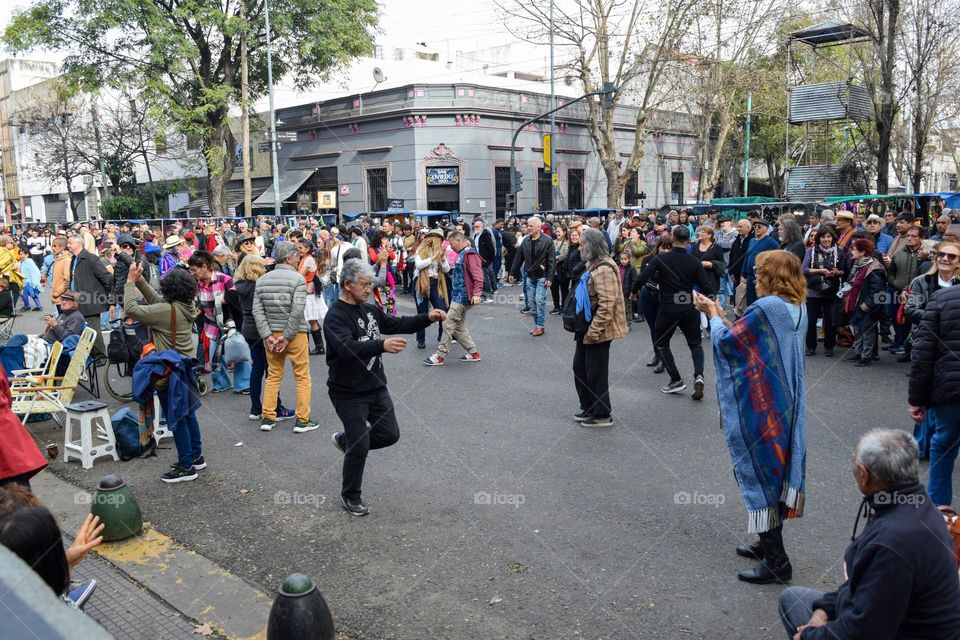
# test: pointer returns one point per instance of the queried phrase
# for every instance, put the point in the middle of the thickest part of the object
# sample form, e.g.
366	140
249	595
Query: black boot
318	343
775	566
654	361
753	551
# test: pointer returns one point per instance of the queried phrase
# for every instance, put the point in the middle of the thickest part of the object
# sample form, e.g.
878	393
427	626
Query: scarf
860	273
760	387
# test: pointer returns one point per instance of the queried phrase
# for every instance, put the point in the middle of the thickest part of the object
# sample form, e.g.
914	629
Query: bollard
118	510
300	612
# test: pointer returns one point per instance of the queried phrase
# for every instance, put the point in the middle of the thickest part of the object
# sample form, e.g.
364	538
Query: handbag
235	347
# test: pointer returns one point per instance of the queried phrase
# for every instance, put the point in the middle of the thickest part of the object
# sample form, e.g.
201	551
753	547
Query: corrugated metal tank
829	101
815	182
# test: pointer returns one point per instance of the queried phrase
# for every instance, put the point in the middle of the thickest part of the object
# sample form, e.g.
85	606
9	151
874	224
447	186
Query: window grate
377	189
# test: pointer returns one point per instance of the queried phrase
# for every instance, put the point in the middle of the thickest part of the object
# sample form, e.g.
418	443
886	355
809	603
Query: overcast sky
405	23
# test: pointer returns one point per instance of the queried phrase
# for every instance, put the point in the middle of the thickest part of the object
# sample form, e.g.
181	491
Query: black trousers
689	324
591	376
821	308
559	288
368	423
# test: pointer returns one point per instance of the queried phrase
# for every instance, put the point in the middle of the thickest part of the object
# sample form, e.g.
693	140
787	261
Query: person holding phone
126	255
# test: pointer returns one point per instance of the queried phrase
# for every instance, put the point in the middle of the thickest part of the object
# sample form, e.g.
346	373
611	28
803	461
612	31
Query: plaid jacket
606	299
211	294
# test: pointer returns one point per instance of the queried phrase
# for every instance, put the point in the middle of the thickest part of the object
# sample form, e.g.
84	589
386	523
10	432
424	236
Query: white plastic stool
162	429
88	445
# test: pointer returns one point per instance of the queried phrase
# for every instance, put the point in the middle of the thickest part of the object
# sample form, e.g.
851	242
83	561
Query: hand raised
396	345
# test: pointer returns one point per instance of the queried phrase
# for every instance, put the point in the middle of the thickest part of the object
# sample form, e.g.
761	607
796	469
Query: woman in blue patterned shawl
760	387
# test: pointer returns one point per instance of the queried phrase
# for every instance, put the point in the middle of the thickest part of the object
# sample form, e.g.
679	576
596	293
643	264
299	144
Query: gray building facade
447	147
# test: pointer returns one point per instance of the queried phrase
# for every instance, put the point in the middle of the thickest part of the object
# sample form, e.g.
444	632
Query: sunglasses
949	257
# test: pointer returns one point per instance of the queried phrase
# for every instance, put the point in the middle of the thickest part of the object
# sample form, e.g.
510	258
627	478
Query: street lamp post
273	115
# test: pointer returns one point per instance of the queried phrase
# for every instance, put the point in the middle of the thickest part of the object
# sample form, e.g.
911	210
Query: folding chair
51	394
6	327
31	377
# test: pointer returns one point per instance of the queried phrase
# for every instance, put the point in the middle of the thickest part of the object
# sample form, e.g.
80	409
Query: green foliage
184	55
125	207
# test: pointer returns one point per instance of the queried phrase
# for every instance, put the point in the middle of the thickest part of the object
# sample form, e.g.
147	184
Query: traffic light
609	90
511	203
517	180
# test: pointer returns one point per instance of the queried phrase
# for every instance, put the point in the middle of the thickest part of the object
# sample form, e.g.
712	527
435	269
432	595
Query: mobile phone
137	256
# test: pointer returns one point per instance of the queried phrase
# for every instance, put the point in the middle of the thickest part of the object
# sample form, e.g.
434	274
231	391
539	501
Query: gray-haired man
901	571
278	302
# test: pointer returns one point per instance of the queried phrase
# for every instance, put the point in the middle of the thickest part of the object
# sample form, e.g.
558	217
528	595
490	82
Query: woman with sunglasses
945	272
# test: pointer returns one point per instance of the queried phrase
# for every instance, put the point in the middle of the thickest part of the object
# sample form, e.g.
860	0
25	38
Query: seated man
901	572
70	322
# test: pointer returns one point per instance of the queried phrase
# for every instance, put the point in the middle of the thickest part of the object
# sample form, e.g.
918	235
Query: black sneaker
199	463
697	388
354	507
828	353
179	474
675	386
852	357
593	423
336	441
580	417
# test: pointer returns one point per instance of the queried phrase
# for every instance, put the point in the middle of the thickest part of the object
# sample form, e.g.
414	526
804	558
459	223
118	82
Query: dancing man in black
357	384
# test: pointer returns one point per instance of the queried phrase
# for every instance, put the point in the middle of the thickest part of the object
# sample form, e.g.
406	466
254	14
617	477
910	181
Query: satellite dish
378	75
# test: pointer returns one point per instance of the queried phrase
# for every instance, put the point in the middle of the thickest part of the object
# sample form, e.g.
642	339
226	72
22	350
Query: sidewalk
150	587
128	611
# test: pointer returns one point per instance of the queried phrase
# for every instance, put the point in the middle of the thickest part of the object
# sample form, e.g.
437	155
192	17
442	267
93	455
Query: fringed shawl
760	387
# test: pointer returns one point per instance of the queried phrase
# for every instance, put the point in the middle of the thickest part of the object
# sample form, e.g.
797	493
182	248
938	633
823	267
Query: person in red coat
20	457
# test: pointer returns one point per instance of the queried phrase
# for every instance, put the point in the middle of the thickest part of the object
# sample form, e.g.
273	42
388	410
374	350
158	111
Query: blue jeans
943	451
330	294
186	435
535	294
221	378
423	305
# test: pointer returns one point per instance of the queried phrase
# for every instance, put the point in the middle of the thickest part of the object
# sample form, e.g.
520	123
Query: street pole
96	135
245	116
516	133
553	106
273	115
746	153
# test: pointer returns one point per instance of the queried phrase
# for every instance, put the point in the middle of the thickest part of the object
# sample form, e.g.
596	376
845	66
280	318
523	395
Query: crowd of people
242	300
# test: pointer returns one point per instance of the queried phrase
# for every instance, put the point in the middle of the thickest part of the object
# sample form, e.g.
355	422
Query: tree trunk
615	184
888	109
220	162
68	178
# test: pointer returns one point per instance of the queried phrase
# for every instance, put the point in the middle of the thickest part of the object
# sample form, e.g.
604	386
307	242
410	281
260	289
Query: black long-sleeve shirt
677	272
355	347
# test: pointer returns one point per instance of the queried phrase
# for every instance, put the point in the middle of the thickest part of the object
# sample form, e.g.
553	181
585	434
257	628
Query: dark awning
233	197
829	32
290	181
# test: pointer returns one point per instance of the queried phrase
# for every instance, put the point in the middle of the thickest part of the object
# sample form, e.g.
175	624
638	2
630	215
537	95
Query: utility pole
746	152
273	115
553	122
96	135
245	115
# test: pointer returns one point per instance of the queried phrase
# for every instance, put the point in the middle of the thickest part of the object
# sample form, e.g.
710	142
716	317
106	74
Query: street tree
52	126
931	46
725	41
185	55
633	44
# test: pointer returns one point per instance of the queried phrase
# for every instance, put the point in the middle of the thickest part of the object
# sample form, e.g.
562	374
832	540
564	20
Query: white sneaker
254	416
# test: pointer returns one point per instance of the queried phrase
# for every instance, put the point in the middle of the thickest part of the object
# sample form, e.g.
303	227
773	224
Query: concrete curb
188	582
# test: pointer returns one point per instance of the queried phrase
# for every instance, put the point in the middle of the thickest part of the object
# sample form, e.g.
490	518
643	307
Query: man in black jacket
537	255
677	273
935	381
901	571
486	246
91	279
356	382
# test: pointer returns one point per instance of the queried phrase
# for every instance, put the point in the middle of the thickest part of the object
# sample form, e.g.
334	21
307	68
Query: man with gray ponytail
901	571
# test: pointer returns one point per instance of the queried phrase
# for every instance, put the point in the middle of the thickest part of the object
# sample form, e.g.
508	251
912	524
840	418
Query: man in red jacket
467	288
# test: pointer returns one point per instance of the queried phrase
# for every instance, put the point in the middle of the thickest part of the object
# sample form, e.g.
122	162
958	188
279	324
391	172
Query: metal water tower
826	164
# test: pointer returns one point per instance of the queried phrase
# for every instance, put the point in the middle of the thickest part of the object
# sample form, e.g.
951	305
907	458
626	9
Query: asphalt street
496	516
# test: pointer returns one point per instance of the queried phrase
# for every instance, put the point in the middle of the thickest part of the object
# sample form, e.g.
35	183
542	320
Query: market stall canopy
290	181
950	198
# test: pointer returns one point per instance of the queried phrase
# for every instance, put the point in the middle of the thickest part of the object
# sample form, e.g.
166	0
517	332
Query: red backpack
953	526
